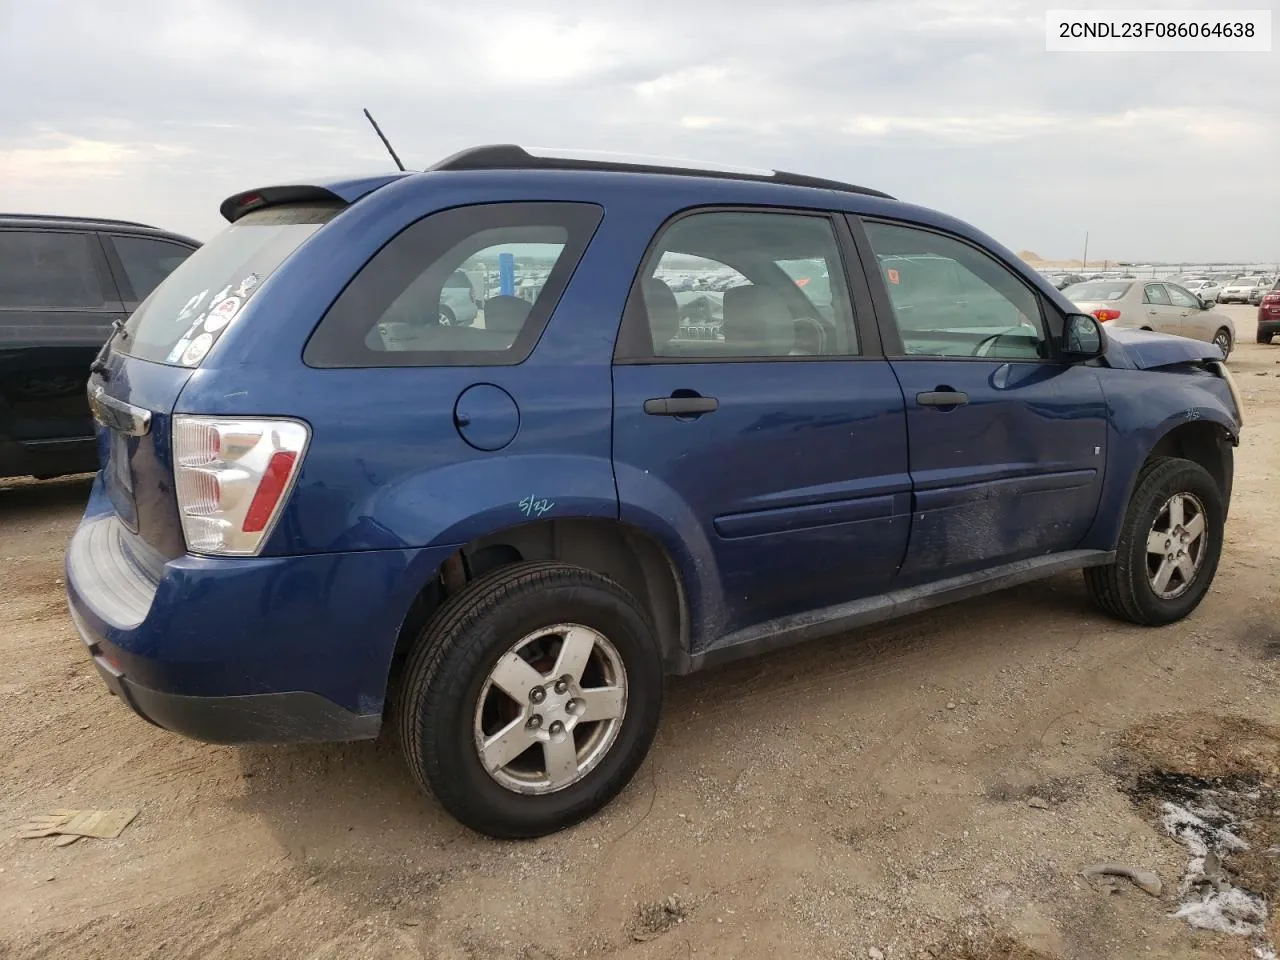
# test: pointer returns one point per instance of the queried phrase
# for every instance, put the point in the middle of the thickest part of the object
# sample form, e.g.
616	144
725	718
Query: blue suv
320	507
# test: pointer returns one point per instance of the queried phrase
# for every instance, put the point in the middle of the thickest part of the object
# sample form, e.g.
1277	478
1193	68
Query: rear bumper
266	649
295	717
48	458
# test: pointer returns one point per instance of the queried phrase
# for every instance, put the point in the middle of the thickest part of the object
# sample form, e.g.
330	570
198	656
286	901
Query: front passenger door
1006	442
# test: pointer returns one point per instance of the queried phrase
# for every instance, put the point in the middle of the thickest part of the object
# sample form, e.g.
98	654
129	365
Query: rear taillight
232	479
1104	314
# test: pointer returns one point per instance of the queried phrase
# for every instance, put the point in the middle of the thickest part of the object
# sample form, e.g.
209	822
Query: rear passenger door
1191	321
1161	313
764	423
57	303
1007	443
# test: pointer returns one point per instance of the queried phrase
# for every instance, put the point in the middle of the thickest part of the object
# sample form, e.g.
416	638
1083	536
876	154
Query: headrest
664	312
506	314
758	321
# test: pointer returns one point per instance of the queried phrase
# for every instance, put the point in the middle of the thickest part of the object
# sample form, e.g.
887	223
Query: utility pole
1084	261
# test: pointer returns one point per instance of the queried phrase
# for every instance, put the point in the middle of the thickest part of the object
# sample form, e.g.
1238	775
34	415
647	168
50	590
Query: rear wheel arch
626	554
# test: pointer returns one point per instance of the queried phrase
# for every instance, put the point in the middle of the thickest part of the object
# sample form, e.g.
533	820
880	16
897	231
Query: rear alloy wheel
446	317
531	698
1222	340
1169	546
540	732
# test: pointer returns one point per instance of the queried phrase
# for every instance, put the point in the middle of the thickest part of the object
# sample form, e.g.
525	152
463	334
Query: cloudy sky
157	109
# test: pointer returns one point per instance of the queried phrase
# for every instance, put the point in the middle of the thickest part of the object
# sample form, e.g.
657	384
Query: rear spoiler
332	191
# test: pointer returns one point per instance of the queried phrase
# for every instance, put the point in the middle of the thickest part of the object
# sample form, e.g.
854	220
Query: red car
1269	315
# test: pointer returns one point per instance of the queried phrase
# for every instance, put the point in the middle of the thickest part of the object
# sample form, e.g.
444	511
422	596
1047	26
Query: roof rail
65	218
509	156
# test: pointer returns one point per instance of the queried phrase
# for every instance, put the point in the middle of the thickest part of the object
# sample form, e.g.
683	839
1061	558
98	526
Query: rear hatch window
181	320
1095	290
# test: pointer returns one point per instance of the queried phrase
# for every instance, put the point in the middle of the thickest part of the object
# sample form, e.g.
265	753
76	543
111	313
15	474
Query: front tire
1169	546
531	699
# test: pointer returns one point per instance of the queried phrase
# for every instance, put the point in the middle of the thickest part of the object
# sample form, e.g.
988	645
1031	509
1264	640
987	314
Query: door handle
942	397
681	406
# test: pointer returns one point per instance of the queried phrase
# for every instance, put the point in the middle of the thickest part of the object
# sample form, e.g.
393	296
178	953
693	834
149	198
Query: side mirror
1204	304
1082	338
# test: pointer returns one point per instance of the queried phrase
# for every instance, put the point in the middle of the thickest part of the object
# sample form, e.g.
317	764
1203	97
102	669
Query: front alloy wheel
1169	545
1176	546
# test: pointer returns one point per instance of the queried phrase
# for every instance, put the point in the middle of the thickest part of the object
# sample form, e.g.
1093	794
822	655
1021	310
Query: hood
1146	350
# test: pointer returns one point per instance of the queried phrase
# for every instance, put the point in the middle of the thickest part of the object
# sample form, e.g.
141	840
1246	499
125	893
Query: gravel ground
929	788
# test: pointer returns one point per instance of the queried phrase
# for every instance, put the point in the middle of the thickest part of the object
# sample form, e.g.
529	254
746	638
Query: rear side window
48	269
147	262
184	316
390	314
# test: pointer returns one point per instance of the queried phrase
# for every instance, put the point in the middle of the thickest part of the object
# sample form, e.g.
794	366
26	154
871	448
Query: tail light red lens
232	478
1105	315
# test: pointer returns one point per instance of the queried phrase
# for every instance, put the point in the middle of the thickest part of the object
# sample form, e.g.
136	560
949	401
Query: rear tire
1127	588
1264	337
1222	340
510	631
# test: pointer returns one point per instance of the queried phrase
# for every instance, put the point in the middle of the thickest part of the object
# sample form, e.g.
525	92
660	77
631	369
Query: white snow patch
1226	911
1211	901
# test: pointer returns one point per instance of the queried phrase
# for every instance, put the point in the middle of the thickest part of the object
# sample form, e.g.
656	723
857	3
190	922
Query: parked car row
1207	287
64	283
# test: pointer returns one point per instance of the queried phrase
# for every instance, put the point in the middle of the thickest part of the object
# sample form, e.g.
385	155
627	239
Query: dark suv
63	282
322	508
1269	314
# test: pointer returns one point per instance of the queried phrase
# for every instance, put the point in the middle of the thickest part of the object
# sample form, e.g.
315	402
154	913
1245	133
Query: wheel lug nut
571	706
534	722
562	685
537	695
557	728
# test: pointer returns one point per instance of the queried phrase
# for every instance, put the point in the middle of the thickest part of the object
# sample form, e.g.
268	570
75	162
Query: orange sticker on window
893	275
802	282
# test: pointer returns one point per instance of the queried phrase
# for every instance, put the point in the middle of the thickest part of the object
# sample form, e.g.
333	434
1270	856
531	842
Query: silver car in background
1153	305
458	301
1249	289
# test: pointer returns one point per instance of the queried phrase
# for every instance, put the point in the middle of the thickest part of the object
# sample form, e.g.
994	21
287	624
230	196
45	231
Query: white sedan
1153	305
1206	290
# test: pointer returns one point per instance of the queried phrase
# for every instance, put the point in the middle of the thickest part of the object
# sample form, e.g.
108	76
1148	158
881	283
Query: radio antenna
383	137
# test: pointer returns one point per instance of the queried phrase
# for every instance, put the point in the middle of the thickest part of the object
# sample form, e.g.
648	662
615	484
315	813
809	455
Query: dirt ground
931	788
